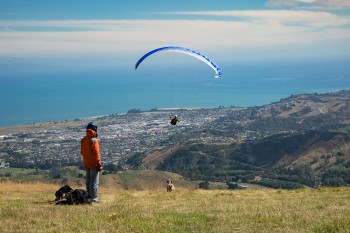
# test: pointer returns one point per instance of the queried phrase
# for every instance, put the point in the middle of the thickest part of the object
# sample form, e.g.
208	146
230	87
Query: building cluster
121	136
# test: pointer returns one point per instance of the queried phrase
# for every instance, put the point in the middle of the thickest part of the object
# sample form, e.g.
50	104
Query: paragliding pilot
174	120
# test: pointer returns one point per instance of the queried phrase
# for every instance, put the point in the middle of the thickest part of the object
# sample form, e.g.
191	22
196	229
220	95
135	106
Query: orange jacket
90	149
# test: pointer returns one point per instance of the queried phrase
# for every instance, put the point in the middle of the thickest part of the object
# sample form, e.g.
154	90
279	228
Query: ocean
41	95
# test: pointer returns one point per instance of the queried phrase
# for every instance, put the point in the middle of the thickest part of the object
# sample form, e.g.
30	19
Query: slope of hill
302	139
300	113
297	141
74	176
30	208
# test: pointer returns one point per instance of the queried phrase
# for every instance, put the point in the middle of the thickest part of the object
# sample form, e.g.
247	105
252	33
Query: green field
30	208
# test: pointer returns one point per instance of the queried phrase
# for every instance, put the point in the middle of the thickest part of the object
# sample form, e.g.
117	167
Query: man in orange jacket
90	151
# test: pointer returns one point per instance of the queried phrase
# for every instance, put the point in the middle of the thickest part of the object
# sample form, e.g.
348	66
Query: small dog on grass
170	186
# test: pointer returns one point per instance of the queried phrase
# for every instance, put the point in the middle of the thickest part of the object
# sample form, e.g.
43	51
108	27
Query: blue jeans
92	178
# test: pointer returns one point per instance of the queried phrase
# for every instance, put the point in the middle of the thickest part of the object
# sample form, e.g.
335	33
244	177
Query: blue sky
102	32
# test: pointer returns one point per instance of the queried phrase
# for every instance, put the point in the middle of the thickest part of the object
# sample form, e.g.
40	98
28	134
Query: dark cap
92	125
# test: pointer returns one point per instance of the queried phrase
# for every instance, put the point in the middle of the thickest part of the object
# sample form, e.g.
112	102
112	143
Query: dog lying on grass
170	186
66	195
62	192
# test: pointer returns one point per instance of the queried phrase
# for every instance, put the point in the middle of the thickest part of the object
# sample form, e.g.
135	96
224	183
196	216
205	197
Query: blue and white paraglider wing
187	51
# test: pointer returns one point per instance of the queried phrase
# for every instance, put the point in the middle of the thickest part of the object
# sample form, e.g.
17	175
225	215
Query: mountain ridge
302	139
307	130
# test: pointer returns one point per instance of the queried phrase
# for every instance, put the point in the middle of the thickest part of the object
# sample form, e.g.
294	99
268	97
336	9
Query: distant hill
301	140
298	113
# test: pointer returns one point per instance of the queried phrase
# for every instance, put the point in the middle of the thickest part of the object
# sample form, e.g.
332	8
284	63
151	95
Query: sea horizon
45	96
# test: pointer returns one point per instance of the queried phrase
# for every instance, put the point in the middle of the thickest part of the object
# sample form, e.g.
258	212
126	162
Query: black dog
66	195
78	196
62	192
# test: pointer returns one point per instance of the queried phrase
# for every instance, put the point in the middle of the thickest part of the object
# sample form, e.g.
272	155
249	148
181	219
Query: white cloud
311	18
317	4
254	30
287	2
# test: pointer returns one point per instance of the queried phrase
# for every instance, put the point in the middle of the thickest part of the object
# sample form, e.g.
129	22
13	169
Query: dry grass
29	208
20	187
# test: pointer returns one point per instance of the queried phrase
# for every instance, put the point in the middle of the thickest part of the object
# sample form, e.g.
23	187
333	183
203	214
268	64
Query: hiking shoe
90	200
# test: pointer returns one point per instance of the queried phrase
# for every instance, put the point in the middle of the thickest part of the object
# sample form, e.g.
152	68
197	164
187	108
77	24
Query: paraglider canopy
187	51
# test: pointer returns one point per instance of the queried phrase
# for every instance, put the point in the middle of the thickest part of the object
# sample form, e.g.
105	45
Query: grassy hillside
314	158
29	208
73	176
